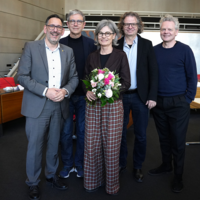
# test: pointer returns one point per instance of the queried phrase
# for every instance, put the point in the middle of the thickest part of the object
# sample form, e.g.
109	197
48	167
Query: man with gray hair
176	89
82	47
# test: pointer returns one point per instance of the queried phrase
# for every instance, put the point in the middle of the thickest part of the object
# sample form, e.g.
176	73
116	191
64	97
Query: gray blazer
33	76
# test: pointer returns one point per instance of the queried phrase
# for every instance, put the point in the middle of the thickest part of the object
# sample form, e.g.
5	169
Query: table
10	107
195	105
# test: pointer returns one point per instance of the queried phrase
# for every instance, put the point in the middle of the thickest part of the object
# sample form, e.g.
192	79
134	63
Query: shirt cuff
44	93
66	91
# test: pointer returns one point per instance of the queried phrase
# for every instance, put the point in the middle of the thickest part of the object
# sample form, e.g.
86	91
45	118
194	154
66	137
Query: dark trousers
140	119
171	117
50	121
76	103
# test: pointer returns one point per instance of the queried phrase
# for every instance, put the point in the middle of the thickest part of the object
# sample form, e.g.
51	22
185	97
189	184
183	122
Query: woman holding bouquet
103	125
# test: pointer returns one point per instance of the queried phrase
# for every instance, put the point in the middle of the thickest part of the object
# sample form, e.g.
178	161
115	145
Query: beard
53	42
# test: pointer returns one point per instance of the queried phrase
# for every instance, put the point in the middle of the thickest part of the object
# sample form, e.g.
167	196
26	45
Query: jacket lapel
43	54
139	51
121	43
62	59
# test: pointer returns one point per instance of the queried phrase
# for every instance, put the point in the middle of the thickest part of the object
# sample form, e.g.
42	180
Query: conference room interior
23	21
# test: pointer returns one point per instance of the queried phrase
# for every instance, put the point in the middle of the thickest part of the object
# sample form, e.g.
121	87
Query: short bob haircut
112	26
53	16
170	18
132	14
74	12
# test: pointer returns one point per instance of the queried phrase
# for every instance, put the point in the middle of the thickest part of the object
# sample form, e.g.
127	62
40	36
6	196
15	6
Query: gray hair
74	12
170	18
112	26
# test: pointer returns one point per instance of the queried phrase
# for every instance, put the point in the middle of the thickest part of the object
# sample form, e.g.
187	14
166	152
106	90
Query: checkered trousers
103	131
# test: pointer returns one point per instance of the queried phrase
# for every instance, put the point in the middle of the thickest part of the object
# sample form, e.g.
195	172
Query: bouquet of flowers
104	84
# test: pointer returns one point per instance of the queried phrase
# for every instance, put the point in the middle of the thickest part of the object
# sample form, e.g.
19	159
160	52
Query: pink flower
106	81
100	71
94	84
111	83
108	93
110	76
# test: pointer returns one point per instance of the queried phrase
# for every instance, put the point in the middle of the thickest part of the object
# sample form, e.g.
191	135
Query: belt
131	91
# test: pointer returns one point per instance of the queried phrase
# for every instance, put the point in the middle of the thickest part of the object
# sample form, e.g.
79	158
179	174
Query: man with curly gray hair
176	89
142	95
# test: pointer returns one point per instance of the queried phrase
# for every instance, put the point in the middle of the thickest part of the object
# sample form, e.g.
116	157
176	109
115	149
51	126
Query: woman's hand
91	96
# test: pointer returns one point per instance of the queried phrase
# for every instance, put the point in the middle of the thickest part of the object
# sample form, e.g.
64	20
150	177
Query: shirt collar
49	49
135	41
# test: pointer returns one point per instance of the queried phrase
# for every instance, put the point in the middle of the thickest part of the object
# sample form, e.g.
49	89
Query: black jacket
147	69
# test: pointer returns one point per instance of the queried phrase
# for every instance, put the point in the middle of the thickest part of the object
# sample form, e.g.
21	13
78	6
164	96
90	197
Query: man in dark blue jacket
177	85
82	47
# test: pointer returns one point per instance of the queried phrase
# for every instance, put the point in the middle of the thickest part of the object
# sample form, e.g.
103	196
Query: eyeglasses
130	24
72	22
52	27
107	34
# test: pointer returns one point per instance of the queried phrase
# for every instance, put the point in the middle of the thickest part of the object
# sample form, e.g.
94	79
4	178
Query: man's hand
55	94
151	104
91	96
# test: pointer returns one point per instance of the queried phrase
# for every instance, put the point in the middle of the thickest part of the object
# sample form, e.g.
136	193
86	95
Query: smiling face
76	25
168	32
53	36
106	36
130	30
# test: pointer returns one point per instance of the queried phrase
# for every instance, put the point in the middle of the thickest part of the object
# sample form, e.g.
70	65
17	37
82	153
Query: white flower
100	76
119	84
96	77
99	95
108	93
94	90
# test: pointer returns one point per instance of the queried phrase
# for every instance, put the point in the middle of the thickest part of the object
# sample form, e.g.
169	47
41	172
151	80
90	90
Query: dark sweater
177	71
77	46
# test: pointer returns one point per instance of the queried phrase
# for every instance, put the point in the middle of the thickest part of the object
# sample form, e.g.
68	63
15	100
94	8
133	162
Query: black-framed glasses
72	22
52	27
130	24
107	34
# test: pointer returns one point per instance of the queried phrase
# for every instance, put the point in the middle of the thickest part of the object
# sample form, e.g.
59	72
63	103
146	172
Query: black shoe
159	170
177	185
57	183
34	192
121	169
137	173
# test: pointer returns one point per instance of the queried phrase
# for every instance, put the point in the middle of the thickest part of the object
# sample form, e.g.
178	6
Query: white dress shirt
54	67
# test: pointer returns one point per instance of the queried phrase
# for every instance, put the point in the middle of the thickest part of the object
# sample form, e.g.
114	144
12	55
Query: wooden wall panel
135	5
51	5
21	21
9	45
17	27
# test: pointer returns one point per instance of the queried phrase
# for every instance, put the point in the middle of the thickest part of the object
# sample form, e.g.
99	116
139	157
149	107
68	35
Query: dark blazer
88	44
147	69
33	75
117	62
